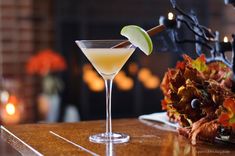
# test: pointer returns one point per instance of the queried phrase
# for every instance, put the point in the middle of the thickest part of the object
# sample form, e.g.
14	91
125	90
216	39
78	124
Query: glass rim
108	41
114	40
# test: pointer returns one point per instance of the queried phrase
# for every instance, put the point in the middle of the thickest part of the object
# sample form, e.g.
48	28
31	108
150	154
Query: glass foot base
109	138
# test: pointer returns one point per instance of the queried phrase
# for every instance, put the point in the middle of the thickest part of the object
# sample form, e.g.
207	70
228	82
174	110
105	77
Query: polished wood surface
147	138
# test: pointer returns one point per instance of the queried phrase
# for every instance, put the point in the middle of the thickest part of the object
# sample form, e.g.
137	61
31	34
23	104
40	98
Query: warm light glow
92	79
152	83
126	84
86	67
10	109
89	75
96	85
170	16
123	82
120	76
133	68
13	99
149	80
4	96
144	74
225	39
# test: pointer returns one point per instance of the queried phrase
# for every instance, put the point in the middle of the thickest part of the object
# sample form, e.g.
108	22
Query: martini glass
108	61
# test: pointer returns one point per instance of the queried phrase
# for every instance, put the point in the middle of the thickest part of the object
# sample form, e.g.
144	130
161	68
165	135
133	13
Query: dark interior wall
31	25
103	19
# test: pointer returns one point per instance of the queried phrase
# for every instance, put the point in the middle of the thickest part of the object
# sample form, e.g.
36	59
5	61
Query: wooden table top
147	138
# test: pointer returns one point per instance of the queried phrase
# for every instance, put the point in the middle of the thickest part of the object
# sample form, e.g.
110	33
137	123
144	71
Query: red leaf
224	119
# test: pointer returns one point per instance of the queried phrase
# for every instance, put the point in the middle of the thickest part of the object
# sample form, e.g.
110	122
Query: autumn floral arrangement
199	96
46	64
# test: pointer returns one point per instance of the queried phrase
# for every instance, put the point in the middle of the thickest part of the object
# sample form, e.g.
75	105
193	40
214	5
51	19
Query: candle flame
170	16
10	109
225	39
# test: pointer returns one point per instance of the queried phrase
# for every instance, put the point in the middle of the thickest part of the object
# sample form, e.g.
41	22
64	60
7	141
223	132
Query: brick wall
43	24
25	28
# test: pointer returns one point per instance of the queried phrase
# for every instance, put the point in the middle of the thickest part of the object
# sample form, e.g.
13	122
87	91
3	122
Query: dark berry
195	103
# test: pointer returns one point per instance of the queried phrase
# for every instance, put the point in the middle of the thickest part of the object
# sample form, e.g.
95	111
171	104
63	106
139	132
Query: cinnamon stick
151	32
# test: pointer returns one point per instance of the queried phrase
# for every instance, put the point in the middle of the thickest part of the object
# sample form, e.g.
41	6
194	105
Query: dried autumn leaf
200	64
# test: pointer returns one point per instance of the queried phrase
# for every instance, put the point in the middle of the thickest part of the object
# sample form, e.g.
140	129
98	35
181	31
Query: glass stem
108	86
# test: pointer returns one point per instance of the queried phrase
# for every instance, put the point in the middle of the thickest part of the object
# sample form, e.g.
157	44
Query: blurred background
46	78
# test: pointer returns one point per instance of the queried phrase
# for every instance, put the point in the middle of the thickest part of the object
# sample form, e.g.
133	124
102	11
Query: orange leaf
164	104
230	105
180	65
224	119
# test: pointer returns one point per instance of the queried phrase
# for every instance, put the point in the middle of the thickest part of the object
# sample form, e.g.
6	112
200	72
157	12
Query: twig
151	32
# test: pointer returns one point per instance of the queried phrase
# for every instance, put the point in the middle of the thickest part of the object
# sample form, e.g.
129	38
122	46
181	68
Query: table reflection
181	146
147	138
110	149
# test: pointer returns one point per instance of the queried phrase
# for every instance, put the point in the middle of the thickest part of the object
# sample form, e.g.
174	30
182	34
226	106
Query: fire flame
10	109
170	16
225	39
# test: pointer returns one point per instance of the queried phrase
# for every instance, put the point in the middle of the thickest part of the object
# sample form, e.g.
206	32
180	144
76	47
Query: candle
170	16
225	45
169	22
10	109
225	39
10	112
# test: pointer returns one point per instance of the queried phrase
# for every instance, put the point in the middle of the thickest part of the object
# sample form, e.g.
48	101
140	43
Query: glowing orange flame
10	109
